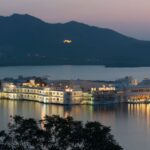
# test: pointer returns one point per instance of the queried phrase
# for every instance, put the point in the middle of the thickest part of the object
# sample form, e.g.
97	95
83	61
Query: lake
75	72
130	123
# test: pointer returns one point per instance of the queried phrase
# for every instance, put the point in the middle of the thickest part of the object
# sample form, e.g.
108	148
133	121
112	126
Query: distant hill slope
26	40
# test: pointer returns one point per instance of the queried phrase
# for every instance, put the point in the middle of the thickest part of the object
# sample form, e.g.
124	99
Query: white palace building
45	94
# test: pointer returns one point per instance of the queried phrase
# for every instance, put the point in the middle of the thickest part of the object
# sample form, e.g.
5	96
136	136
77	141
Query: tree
56	133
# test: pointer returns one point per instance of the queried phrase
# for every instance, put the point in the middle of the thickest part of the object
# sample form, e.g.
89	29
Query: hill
26	40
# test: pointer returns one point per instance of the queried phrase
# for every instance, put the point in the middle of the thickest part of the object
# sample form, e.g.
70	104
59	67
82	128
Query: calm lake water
75	72
130	123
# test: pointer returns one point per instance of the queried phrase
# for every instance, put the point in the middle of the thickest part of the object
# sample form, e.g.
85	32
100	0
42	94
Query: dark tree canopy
56	133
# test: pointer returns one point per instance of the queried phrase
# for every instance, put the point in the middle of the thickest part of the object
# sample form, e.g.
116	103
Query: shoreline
59	104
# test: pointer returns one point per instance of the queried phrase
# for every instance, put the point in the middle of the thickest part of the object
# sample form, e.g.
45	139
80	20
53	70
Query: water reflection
130	123
141	112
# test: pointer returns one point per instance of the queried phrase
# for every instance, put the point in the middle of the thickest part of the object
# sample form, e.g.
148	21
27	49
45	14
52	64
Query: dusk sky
131	17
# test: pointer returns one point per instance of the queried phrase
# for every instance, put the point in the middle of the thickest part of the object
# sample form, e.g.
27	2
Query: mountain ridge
27	40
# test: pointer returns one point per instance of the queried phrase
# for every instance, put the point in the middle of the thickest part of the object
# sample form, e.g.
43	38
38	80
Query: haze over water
75	72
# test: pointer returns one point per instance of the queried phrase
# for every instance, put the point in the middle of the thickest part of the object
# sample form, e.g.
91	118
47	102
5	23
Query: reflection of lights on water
66	114
142	111
43	114
12	107
53	110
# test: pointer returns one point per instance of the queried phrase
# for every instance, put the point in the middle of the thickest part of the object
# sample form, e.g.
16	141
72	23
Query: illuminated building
104	94
45	94
139	93
66	94
67	41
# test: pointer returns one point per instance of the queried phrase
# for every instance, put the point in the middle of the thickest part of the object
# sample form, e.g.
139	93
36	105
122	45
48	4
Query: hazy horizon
129	17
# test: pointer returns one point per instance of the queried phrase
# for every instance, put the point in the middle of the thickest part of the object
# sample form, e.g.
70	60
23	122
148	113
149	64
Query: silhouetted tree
56	133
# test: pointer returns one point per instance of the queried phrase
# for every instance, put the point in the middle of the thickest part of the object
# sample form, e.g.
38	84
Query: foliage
56	133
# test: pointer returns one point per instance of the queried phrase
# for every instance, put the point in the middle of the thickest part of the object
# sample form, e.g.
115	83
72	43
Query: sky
130	17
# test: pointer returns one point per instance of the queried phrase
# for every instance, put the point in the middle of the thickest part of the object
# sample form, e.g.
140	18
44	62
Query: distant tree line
56	133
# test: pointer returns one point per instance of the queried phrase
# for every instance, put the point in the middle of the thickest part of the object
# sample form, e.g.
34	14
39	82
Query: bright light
67	41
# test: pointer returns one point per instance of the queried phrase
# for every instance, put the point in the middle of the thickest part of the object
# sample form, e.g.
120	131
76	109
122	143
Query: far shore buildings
57	94
77	91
